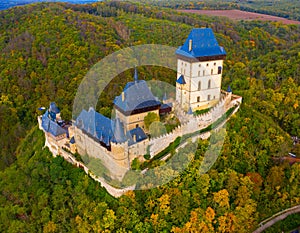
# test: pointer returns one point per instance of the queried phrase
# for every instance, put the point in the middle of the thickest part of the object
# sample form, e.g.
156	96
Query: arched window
212	71
209	84
199	85
219	69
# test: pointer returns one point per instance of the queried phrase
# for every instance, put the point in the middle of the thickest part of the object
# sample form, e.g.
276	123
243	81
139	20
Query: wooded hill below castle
46	50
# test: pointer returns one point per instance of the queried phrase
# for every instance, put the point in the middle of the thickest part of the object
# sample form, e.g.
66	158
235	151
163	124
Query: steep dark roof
100	127
53	108
165	108
119	135
190	111
137	96
51	126
106	130
72	140
229	89
138	134
181	80
204	44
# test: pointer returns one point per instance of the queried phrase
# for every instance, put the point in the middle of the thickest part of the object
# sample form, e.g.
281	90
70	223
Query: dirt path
277	217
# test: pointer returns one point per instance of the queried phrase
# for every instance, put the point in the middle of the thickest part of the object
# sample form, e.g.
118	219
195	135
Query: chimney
123	96
134	138
190	44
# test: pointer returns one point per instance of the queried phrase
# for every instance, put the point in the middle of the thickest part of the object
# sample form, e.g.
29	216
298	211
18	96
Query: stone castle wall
193	123
119	159
117	166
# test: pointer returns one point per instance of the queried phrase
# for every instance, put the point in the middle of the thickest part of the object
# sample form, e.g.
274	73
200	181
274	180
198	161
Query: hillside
46	50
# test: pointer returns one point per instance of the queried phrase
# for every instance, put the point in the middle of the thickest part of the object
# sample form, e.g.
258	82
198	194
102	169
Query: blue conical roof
229	89
119	135
136	78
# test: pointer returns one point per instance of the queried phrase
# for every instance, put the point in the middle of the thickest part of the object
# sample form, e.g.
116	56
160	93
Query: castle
117	142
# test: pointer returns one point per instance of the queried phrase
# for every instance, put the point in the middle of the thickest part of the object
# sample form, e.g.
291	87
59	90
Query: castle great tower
199	70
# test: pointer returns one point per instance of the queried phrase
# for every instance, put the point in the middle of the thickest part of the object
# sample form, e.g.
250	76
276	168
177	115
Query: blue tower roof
72	140
181	80
229	89
201	42
136	96
119	135
136	135
190	111
101	127
106	130
51	126
53	108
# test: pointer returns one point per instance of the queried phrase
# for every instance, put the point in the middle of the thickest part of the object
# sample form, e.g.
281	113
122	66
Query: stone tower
199	70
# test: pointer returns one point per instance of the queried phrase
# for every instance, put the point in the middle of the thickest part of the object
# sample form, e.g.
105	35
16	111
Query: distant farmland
241	15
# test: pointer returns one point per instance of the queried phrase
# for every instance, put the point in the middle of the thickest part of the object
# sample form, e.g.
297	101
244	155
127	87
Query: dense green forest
285	8
46	50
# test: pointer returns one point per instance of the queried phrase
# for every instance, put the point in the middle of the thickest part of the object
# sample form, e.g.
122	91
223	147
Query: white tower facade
199	70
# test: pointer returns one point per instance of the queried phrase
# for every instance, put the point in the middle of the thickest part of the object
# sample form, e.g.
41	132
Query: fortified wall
194	123
118	160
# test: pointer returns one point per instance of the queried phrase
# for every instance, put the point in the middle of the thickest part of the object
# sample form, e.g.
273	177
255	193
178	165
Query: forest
47	49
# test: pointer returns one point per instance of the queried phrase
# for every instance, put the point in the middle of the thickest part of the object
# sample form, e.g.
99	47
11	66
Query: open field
241	15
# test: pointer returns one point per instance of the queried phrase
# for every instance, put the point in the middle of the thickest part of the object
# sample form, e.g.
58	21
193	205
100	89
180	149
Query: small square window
215	64
207	64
